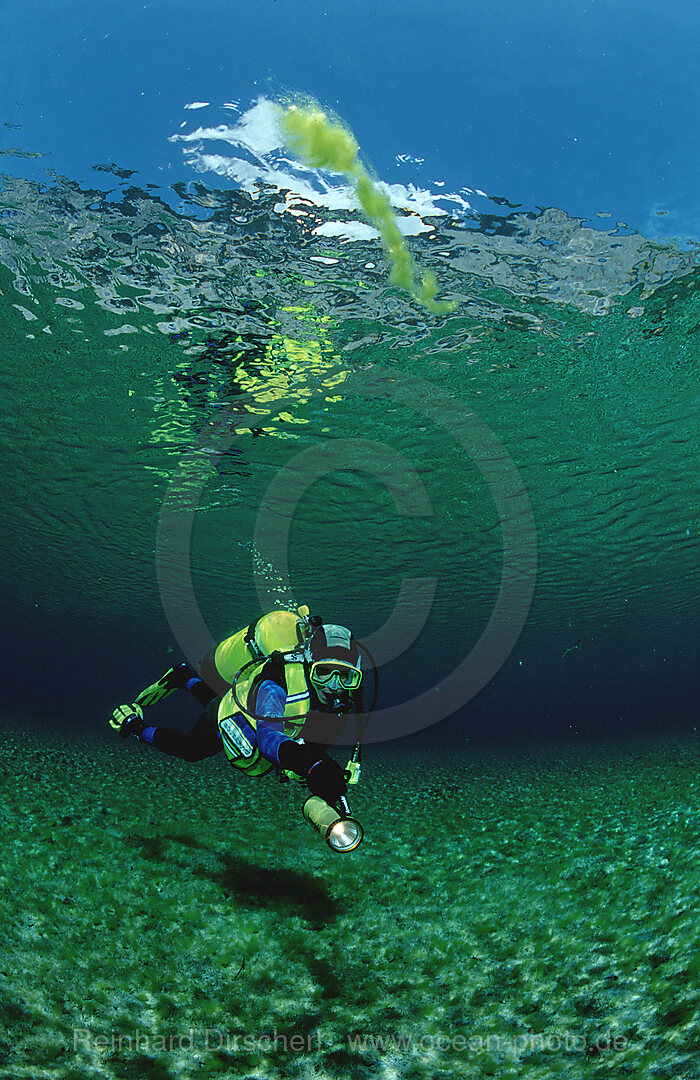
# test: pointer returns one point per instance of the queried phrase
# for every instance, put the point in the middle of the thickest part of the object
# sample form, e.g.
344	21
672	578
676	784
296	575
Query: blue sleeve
270	701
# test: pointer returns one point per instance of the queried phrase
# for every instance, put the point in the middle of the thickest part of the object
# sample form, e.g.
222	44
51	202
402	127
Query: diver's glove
323	775
127	720
327	779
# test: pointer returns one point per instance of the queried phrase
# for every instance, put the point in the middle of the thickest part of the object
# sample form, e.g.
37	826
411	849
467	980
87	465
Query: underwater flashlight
341	833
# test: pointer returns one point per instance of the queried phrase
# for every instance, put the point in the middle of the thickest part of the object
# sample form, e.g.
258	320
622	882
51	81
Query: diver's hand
127	720
327	779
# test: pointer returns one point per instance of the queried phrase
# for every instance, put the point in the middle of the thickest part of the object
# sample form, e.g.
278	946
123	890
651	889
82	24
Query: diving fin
167	684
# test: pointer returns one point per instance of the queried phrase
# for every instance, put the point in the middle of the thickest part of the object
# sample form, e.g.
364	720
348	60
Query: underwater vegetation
325	144
510	913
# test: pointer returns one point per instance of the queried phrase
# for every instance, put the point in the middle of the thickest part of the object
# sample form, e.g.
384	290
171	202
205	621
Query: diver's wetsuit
204	739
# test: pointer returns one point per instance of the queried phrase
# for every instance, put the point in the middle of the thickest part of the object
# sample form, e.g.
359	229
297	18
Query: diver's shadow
287	892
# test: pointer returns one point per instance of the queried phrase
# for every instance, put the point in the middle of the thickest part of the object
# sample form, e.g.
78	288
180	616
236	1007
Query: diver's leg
202	741
210	674
199	689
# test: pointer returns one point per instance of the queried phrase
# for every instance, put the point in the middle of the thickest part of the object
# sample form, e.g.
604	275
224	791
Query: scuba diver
275	695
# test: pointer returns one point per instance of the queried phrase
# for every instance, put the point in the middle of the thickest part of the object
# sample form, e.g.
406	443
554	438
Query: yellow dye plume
322	144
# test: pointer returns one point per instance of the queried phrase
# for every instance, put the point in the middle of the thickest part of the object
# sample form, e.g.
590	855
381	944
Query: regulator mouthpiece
340	833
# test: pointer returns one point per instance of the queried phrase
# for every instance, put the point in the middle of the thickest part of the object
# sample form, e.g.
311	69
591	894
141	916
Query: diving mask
335	675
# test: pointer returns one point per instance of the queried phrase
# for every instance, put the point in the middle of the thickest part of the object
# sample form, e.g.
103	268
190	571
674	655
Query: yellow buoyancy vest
281	632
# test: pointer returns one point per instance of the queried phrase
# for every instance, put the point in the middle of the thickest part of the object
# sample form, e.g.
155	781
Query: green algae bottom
520	912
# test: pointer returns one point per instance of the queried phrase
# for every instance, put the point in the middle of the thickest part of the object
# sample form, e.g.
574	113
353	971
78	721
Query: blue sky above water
589	106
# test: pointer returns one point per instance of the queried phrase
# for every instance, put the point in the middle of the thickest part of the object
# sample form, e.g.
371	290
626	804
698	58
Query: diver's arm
270	702
323	775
